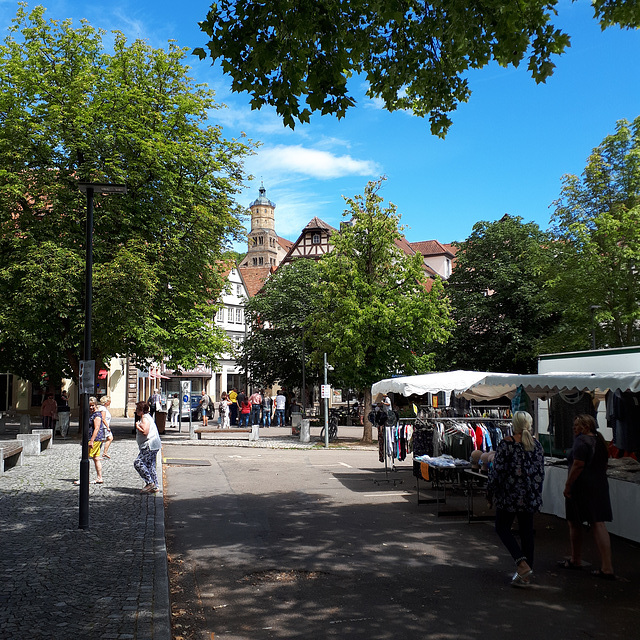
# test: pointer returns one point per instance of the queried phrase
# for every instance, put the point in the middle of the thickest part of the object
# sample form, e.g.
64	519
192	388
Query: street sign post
87	377
185	397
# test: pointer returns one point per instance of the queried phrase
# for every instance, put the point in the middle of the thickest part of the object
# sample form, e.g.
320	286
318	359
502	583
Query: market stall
484	386
542	385
447	381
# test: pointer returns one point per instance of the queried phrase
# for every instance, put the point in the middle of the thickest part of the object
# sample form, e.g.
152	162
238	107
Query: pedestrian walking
515	486
245	412
175	416
281	402
105	403
224	410
233	406
64	413
255	400
95	433
203	405
149	444
155	402
267	403
48	412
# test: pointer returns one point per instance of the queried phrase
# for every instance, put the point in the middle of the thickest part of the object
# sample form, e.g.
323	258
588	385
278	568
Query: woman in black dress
587	495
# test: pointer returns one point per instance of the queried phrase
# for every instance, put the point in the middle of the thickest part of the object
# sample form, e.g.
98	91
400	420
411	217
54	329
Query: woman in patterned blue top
515	487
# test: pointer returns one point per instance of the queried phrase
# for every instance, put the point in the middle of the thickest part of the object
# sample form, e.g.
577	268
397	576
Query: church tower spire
263	248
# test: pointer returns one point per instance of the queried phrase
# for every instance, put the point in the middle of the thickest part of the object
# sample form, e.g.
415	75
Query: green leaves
375	315
502	311
597	222
413	56
69	112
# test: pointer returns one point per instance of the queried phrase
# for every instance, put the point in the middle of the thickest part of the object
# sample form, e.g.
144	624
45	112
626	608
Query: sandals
104	455
521	580
567	564
598	573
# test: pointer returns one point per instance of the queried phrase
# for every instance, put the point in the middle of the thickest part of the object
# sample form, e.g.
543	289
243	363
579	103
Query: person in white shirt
105	402
281	402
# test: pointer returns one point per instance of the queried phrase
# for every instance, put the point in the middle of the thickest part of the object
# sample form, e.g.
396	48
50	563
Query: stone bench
36	442
10	451
202	430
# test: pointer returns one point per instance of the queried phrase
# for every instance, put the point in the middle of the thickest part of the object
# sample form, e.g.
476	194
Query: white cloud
315	163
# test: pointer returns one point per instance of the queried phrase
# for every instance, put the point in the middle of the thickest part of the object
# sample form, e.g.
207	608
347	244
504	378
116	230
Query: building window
239	315
230	315
220	315
255	262
316	238
260	260
260	239
238	289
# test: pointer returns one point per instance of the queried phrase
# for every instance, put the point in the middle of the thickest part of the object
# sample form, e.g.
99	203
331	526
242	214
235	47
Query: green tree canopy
275	348
596	225
501	309
376	315
71	112
414	55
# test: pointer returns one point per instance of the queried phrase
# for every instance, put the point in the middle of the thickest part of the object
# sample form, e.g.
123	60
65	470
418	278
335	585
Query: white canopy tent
446	381
542	385
482	385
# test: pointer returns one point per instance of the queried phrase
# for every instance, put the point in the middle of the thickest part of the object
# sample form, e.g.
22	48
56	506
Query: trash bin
161	420
305	431
296	421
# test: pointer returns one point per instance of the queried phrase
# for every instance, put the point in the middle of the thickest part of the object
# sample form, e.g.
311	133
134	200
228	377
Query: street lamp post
326	406
90	188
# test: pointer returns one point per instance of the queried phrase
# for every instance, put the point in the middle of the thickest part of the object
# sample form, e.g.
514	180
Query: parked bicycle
333	425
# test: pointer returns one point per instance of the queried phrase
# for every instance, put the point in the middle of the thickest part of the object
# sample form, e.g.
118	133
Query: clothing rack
387	455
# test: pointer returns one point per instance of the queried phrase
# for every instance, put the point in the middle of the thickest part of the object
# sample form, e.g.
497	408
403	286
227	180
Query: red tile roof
404	245
316	223
254	278
285	244
431	248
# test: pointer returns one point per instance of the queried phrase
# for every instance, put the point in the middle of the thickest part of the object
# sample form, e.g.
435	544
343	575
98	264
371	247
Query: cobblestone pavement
106	582
59	581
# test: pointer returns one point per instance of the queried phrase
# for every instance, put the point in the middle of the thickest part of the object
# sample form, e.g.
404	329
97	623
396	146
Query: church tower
264	249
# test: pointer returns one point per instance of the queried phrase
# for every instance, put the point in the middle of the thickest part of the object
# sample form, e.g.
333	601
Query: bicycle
333	426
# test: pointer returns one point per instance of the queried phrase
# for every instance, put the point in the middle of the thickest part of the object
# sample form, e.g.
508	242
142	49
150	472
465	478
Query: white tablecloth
625	502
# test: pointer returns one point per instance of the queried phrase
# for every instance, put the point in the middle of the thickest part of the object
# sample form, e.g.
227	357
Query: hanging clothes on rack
563	409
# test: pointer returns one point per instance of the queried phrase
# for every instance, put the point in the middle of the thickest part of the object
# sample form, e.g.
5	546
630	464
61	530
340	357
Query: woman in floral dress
515	487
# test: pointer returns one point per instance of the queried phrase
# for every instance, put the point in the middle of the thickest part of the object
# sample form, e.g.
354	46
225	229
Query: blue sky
506	152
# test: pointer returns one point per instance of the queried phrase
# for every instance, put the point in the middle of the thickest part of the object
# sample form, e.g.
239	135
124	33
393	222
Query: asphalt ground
315	543
276	539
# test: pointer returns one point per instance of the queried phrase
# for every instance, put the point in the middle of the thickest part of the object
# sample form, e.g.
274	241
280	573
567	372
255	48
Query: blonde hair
104	399
522	422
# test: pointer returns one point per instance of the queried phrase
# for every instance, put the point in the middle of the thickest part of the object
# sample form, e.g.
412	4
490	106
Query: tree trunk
367	433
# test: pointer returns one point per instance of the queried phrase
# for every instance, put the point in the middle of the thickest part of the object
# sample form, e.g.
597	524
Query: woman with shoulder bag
515	485
149	444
